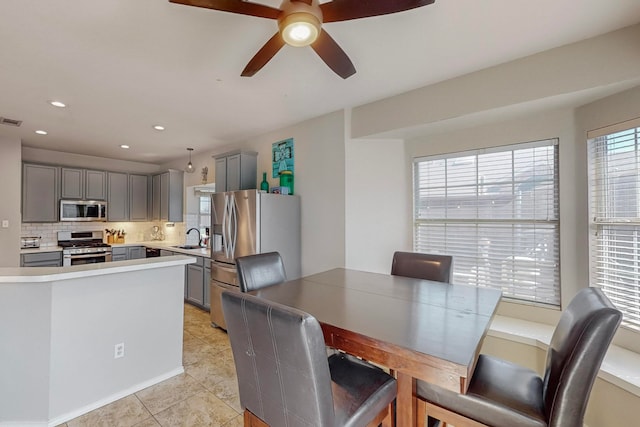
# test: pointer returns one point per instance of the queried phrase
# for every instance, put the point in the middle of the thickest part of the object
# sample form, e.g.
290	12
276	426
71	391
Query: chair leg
251	420
384	418
428	409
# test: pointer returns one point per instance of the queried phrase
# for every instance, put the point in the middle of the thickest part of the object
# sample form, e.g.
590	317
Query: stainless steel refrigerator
248	222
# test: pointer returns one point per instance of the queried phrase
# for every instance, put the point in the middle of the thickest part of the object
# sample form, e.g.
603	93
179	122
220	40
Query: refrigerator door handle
234	223
225	239
229	225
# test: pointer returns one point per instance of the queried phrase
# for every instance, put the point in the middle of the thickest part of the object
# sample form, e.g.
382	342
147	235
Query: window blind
614	187
496	211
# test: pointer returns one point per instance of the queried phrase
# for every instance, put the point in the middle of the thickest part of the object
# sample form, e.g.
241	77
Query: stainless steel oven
79	259
83	247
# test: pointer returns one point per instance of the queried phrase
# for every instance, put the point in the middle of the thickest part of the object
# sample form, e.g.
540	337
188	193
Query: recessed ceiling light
58	104
158	127
124	146
41	132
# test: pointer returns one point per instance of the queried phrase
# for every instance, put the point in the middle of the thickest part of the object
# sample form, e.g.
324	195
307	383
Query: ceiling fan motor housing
299	13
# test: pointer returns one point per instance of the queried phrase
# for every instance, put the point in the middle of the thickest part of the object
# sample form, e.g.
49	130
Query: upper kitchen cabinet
83	184
167	196
40	189
236	170
138	197
117	196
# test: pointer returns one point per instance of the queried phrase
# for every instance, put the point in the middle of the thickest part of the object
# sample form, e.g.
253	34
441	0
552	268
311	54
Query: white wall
377	220
10	194
39	155
319	180
58	338
588	65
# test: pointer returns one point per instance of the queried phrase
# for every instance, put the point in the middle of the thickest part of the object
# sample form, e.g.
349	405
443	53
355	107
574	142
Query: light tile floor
205	395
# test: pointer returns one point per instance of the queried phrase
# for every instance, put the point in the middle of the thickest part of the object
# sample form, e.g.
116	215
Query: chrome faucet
197	231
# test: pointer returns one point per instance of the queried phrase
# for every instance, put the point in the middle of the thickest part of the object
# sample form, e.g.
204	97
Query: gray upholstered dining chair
285	377
438	268
503	394
260	270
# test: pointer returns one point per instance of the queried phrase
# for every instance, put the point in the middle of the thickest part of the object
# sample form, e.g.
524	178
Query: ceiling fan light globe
300	29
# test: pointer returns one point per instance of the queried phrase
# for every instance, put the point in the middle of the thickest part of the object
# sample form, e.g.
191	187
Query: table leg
405	401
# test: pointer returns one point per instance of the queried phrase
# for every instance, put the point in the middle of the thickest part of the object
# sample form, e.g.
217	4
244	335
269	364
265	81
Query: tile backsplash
135	231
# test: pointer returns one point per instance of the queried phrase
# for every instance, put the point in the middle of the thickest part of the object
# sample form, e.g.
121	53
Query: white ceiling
124	65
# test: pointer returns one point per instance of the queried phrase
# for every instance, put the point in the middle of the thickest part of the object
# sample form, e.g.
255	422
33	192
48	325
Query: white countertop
158	244
48	274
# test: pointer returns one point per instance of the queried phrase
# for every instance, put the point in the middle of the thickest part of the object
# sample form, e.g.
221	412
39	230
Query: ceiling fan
300	22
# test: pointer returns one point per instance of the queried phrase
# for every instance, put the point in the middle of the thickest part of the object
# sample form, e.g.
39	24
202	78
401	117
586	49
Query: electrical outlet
5	223
118	351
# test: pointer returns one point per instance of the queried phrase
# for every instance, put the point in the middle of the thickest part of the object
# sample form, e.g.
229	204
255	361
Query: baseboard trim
102	402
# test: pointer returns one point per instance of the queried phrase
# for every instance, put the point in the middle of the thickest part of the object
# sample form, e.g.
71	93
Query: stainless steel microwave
83	210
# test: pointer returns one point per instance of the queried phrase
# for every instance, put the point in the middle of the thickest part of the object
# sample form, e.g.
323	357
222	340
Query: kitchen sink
188	247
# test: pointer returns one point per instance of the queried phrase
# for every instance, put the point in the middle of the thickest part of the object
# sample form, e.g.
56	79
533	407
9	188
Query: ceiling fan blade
333	55
263	56
234	6
343	10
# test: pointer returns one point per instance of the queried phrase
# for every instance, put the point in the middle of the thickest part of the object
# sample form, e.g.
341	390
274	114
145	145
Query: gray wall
10	194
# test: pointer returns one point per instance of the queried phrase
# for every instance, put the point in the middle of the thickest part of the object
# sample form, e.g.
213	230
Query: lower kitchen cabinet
195	290
119	254
124	253
207	288
197	283
136	252
196	280
42	259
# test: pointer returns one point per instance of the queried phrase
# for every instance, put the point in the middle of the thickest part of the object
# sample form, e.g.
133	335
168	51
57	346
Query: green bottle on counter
264	185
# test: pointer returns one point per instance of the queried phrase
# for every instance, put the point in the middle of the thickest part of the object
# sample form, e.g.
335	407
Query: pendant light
190	168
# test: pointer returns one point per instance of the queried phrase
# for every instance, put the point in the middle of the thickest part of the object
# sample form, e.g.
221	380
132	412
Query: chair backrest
281	361
260	270
423	266
579	343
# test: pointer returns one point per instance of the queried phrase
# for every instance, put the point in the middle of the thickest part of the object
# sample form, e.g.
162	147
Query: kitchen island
61	329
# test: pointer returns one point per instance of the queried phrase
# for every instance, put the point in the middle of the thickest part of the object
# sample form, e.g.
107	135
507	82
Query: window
496	211
614	178
204	214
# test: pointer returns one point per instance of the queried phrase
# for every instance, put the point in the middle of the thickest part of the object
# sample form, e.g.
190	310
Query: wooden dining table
419	329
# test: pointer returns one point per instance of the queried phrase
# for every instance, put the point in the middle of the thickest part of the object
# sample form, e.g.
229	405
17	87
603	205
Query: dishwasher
152	252
223	277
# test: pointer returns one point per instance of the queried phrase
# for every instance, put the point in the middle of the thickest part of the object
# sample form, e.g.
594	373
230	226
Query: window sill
620	367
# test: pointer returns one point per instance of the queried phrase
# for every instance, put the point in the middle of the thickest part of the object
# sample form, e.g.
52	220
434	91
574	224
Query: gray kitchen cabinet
207	280
136	252
95	187
82	184
119	253
123	253
117	196
236	170
155	197
41	259
167	196
164	252
195	282
40	191
221	174
138	197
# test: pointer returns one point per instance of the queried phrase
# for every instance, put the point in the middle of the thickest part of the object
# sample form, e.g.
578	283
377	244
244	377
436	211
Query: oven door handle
94	255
